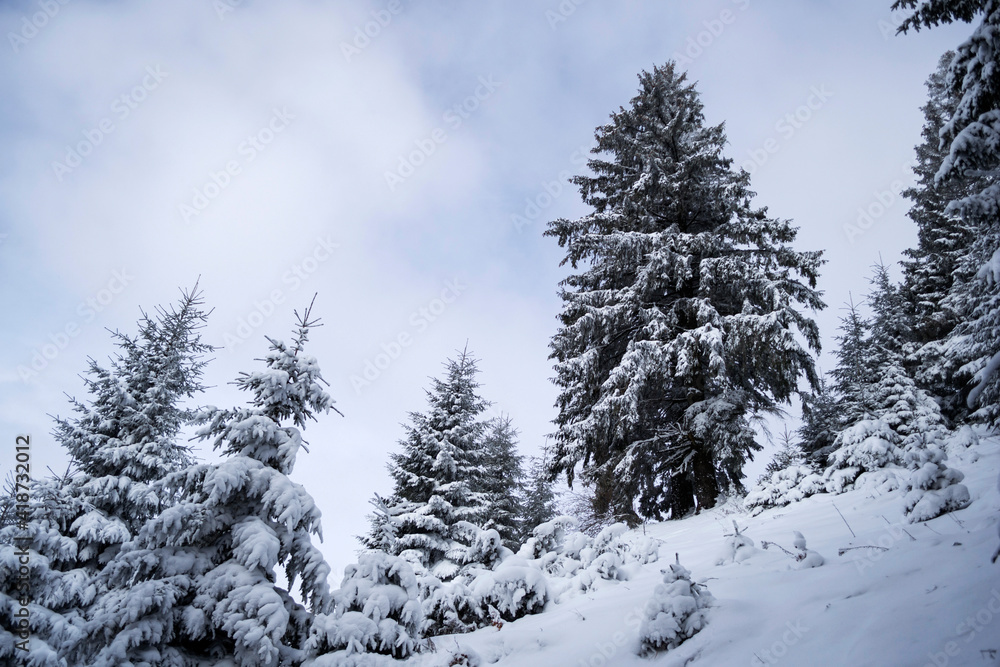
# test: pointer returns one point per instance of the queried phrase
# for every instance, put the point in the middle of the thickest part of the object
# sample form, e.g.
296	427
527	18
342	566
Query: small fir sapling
738	547
676	612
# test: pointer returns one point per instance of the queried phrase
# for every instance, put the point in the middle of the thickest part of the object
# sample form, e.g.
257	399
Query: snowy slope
931	600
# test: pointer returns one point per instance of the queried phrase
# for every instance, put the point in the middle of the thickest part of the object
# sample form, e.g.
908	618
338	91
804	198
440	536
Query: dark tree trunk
706	487
613	502
680	496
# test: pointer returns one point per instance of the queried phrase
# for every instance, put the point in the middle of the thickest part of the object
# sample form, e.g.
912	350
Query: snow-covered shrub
514	589
609	539
806	558
677	611
608	555
486	550
643	550
616	540
463	657
449	607
839	480
493	584
781	488
738	547
557	547
558	565
880	481
964	437
933	488
812	484
376	610
548	537
604	552
574	561
574	544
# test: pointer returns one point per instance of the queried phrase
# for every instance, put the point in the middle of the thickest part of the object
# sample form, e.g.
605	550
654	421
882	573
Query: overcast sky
401	160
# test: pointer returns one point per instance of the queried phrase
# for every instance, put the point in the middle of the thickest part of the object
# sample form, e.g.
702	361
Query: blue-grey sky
401	159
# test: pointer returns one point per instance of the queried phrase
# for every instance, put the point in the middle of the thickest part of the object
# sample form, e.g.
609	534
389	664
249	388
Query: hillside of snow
930	597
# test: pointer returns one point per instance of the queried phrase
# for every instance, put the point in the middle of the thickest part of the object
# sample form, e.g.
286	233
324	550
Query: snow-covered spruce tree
682	325
891	327
933	488
881	408
821	421
376	610
778	486
857	368
676	612
973	152
903	418
936	266
502	481
789	453
120	441
198	584
539	498
56	587
907	409
438	476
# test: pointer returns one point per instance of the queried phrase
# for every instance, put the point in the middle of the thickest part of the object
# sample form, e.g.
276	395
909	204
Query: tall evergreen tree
121	442
502	481
789	453
198	584
438	476
936	267
681	327
539	497
974	153
942	239
890	327
857	368
57	587
821	422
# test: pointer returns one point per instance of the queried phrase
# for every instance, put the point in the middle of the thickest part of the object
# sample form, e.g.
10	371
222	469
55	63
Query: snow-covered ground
931	598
